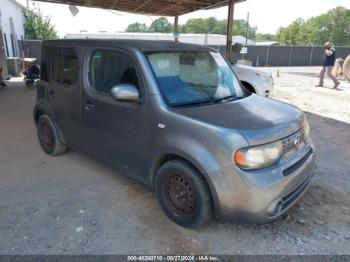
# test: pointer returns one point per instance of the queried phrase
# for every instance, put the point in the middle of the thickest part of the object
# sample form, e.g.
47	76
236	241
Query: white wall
9	9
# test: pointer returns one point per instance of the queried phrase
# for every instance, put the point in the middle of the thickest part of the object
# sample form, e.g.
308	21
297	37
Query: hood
258	119
252	69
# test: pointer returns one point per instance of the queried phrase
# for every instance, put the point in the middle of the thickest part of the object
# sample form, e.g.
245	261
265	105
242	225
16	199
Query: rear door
63	91
115	131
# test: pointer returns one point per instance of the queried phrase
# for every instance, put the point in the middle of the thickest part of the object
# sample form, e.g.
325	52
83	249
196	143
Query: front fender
208	156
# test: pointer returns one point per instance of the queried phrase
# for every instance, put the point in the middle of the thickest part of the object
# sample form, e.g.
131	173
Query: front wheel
49	138
183	194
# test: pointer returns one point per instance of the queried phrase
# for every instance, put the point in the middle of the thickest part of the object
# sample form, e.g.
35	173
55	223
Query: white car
256	80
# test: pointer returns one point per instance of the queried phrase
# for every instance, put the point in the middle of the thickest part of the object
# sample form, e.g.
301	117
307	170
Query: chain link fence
285	55
259	55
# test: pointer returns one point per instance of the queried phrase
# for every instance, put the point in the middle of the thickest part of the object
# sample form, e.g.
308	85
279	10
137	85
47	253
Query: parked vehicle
175	117
255	80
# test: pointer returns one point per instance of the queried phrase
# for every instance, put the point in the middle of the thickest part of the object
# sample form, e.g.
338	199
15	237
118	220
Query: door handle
89	107
52	94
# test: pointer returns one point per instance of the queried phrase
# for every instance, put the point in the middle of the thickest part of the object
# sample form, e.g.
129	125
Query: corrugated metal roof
150	7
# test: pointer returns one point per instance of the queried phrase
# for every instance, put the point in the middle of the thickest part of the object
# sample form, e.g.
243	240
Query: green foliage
137	27
37	26
240	28
213	26
196	26
161	25
333	26
264	37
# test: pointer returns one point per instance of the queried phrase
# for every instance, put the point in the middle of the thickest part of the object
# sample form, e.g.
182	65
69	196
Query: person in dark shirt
328	64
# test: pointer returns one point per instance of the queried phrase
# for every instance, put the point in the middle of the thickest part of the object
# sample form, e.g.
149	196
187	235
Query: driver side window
109	68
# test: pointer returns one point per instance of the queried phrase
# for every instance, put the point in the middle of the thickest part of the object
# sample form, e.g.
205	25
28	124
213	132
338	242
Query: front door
116	132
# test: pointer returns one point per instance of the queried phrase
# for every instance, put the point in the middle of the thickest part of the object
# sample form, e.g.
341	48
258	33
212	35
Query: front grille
289	199
292	141
298	164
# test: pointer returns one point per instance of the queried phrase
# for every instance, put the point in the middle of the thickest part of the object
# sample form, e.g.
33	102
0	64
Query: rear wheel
29	82
183	194
48	137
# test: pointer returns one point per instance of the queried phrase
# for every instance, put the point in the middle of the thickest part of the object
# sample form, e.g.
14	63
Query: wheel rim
180	195
47	137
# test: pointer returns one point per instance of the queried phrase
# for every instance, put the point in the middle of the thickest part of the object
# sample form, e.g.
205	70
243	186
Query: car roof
142	45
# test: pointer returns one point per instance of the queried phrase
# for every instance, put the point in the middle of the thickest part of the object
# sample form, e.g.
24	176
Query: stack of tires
346	68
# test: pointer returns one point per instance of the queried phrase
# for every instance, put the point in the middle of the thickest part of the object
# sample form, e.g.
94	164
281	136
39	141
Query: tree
264	37
213	26
240	28
161	25
333	26
293	34
37	26
137	27
196	26
220	27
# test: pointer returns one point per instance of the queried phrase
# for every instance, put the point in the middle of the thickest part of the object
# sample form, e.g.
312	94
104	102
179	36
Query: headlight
307	129
263	76
258	156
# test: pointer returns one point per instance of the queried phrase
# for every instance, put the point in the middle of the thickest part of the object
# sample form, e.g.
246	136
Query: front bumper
262	196
270	88
265	88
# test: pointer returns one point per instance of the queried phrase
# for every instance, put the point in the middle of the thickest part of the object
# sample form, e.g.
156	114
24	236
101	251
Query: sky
266	15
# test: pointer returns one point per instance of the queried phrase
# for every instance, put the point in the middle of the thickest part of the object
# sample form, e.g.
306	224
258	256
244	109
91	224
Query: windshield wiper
229	98
197	103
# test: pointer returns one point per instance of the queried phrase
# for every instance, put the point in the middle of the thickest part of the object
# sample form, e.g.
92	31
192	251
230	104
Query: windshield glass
187	78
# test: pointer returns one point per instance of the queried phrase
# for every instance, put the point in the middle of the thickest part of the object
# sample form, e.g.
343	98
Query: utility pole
176	29
246	35
231	6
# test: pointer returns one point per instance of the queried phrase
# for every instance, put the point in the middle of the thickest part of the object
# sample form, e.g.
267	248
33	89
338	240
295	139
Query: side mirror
126	93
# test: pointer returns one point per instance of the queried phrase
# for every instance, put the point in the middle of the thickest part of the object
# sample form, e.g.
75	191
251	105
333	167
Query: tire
49	138
346	68
29	82
183	194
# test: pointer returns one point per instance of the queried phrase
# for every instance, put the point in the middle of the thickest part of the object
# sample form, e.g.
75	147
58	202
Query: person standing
329	61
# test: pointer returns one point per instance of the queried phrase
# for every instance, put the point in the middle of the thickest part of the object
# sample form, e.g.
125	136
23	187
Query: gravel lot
73	204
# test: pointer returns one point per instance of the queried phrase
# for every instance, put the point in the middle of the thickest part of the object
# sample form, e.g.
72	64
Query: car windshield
194	78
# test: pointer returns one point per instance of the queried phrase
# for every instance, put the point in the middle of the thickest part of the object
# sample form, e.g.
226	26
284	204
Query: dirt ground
73	204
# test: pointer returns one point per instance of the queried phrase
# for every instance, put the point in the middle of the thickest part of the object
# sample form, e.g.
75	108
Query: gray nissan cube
175	117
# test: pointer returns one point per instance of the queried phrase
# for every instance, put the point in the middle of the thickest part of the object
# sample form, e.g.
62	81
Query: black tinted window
45	58
65	66
110	68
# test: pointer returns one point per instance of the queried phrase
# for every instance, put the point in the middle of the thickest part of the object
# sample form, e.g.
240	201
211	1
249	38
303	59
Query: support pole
176	29
231	6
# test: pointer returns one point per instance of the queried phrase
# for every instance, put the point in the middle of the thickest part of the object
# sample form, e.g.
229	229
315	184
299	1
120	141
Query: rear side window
109	68
45	58
65	66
